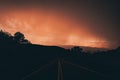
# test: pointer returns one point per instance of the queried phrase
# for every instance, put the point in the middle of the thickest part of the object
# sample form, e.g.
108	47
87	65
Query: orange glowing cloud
49	27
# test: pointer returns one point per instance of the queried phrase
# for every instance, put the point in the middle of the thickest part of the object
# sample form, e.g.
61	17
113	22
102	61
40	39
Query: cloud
51	27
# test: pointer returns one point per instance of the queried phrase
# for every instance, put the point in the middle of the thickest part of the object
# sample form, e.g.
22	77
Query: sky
93	23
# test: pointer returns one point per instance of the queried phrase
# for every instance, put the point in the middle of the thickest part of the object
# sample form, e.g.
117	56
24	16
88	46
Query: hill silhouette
85	48
18	59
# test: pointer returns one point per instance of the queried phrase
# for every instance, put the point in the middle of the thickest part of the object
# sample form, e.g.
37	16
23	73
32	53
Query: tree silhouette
20	38
4	34
5	37
118	49
25	41
76	49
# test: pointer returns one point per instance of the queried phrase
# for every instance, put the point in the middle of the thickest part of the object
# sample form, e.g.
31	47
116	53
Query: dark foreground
17	62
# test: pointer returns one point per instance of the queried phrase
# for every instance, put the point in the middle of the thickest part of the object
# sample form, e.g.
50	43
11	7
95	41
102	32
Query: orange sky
50	27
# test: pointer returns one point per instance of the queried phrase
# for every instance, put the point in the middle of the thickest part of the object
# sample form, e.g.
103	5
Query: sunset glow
49	27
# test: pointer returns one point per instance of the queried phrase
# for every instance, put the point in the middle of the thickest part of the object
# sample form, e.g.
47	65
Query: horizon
79	23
